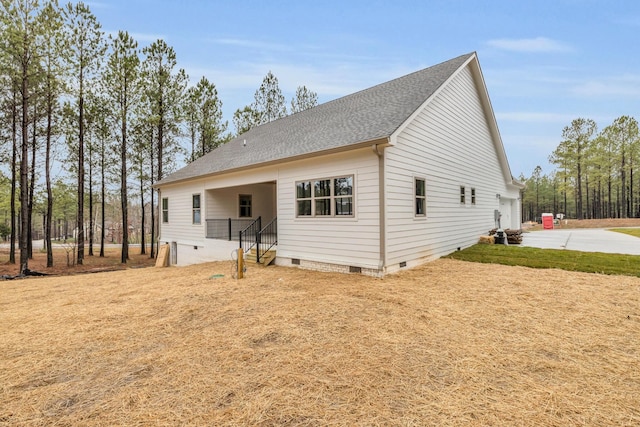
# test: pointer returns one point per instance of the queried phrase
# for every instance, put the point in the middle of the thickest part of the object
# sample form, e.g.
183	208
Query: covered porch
245	214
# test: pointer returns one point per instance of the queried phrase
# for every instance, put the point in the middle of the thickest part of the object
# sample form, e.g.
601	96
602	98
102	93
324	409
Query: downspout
381	203
159	216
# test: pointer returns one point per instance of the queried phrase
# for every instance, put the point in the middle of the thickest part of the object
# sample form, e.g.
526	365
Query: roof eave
383	141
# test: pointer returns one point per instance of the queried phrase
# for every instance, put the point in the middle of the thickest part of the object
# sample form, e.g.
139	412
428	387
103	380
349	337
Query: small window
462	196
322	195
303	198
195	204
473	196
343	192
421	199
245	206
165	209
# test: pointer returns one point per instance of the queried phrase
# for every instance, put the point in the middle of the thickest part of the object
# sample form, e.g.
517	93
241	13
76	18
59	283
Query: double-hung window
462	195
325	197
473	196
165	209
195	205
244	202
343	196
421	197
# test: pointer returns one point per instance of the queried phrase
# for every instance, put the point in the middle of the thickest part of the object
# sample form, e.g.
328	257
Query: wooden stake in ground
240	263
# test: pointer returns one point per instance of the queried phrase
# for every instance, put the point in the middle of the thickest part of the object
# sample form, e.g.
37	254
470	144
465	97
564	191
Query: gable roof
368	115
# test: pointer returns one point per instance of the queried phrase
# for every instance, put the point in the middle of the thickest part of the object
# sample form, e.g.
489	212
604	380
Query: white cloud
625	86
142	37
252	44
538	44
535	117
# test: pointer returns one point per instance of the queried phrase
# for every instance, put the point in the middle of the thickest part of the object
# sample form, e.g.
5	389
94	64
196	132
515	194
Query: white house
383	179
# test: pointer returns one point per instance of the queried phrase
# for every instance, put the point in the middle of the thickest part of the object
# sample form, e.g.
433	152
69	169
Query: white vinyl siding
181	227
450	144
341	239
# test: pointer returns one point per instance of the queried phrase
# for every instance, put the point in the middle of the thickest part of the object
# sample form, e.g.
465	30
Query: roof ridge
369	114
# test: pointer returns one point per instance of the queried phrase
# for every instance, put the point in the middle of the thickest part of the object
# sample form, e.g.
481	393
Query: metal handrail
268	236
250	231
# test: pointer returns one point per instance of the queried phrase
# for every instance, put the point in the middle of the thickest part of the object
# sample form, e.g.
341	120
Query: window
421	199
325	197
322	196
473	196
195	204
462	194
343	192
245	206
165	209
303	198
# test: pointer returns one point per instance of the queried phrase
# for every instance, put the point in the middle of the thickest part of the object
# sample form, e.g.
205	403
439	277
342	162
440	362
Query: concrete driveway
586	240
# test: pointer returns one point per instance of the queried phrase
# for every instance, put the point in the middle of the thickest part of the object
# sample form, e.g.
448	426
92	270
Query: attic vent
403	264
295	261
353	269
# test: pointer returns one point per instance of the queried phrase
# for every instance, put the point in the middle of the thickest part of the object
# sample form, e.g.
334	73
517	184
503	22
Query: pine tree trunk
91	225
143	249
102	201
124	255
24	170
32	184
14	155
80	218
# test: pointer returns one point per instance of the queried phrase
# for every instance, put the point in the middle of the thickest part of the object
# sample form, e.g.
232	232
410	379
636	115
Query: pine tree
269	102
22	34
268	105
121	84
303	100
164	89
85	54
54	46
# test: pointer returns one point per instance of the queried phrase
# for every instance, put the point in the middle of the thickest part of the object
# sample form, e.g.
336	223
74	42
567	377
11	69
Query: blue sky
544	62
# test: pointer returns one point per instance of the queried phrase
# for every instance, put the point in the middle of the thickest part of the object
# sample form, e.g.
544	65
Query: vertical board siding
450	145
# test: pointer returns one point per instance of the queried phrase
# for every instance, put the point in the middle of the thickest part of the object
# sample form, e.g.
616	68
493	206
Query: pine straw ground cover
448	343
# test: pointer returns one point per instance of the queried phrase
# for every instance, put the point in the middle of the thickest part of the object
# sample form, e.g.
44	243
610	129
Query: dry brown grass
449	343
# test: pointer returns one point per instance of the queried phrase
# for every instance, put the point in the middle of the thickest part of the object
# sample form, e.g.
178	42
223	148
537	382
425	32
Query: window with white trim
195	206
244	208
421	197
325	197
165	209
462	195
473	196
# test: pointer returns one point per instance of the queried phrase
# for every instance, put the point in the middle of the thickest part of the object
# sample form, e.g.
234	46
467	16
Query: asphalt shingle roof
368	115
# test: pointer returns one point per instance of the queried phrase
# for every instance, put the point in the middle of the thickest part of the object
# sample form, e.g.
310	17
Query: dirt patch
449	343
92	264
